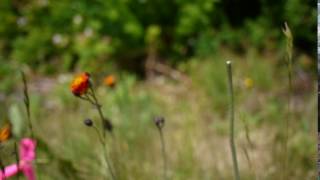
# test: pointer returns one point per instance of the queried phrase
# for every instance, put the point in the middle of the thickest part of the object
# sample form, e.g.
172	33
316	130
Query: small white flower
43	3
88	32
77	19
22	21
64	78
57	39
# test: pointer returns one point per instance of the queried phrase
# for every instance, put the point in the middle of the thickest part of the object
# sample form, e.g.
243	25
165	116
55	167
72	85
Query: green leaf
16	120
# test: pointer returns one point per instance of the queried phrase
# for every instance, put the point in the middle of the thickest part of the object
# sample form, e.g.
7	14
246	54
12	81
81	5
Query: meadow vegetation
187	45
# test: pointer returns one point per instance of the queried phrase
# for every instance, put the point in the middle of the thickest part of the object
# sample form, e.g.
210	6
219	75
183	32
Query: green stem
102	141
164	157
87	98
17	157
2	169
289	117
98	107
289	48
250	144
232	144
91	97
27	103
30	124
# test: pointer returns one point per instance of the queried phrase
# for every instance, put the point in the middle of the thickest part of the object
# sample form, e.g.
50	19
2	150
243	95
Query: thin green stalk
2	168
90	96
289	47
17	157
232	144
27	103
159	121
87	98
246	153
247	132
105	123
250	145
102	141
164	157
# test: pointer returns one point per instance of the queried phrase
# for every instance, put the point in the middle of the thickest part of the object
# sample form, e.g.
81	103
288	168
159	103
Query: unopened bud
88	122
159	121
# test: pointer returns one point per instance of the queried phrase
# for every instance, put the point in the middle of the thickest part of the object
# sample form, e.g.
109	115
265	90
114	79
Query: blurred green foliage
58	36
62	35
196	130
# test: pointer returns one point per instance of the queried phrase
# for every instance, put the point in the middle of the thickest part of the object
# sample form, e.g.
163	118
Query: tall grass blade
289	48
27	102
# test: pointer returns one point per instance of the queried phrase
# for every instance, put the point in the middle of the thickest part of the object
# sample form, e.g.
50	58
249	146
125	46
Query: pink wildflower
27	155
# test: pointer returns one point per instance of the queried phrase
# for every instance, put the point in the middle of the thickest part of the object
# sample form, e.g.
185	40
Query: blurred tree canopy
62	35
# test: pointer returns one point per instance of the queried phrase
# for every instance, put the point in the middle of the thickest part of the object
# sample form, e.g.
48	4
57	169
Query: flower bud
159	121
110	81
88	122
107	125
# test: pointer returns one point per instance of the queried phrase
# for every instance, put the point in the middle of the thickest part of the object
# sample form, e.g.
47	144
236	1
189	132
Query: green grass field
196	130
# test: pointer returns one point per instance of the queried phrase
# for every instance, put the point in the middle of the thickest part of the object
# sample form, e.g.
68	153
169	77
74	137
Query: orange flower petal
5	133
80	84
110	81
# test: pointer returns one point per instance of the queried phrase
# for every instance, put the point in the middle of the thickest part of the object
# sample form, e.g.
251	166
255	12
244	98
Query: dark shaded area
240	10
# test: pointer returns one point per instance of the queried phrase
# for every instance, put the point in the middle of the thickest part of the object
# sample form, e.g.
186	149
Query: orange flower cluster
80	84
5	133
110	81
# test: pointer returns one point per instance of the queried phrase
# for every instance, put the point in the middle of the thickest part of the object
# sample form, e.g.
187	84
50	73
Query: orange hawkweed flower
5	133
110	81
80	84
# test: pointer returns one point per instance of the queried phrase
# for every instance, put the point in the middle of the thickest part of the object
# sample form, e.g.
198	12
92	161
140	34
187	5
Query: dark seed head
107	125
159	121
88	122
